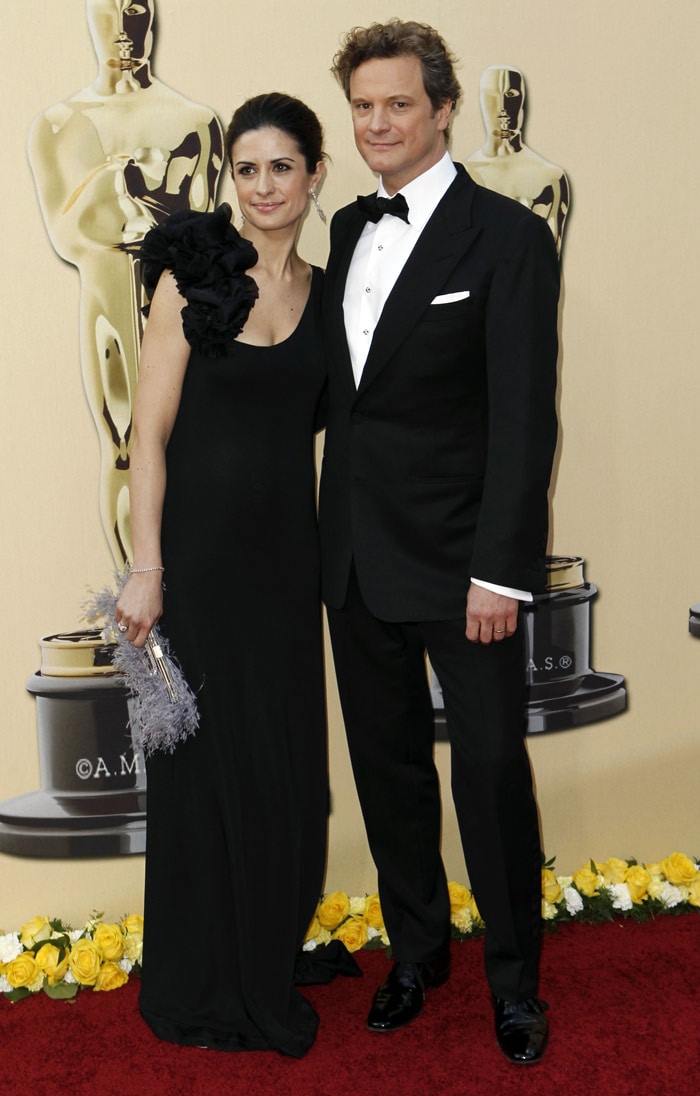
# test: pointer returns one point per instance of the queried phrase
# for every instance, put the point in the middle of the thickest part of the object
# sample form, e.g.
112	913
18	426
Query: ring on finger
122	627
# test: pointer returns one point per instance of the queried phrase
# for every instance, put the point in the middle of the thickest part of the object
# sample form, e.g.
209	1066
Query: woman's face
271	178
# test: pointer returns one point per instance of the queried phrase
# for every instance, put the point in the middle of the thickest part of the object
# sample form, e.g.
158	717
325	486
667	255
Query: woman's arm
162	365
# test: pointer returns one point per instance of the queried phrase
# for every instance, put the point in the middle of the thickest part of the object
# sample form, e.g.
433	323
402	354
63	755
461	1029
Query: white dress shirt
379	258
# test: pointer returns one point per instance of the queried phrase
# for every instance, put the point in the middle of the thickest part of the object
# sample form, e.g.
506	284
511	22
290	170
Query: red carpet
625	1019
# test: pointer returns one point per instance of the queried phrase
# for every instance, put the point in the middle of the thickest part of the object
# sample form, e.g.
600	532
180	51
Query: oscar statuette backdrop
109	162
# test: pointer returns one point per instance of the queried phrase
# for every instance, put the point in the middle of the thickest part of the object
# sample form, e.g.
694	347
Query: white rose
125	964
310	945
357	906
5	986
462	920
574	901
621	897
372	932
10	947
670	895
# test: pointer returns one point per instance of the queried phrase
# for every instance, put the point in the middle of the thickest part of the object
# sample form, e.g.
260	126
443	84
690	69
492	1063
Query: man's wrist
504	591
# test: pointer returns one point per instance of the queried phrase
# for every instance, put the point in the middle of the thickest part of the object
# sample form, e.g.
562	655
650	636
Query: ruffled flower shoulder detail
208	259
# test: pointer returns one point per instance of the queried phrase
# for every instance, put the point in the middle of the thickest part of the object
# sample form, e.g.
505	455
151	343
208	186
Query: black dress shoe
522	1029
400	997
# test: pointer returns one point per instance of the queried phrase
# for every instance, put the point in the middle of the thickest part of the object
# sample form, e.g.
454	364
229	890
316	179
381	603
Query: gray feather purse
162	707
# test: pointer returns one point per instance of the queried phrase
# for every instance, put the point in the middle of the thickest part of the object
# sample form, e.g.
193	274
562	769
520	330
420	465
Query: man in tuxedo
440	321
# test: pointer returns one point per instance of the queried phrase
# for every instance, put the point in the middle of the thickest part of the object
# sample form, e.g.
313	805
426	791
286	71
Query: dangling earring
320	212
242	220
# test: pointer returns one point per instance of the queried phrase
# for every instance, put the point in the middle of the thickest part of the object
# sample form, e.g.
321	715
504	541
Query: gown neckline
315	271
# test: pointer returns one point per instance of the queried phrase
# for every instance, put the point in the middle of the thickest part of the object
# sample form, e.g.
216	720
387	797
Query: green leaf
375	944
64	991
19	994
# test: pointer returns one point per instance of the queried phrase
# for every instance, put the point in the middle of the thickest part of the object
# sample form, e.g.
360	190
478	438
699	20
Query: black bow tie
374	207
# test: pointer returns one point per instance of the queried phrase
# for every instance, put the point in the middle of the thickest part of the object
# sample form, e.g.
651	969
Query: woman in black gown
223	500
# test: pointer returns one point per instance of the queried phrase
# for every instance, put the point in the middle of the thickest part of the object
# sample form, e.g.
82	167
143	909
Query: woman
223	501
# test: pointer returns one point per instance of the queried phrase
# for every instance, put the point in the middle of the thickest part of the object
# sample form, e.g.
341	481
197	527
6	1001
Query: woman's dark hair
282	112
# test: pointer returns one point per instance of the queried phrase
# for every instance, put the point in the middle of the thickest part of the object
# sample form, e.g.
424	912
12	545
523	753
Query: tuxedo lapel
447	236
342	250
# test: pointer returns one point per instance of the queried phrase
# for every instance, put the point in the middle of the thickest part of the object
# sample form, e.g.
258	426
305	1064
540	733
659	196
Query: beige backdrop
612	98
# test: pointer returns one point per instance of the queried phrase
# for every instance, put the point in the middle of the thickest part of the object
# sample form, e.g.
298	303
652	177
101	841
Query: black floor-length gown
237	814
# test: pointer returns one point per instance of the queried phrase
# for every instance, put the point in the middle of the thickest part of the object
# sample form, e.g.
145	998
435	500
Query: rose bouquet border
48	956
596	892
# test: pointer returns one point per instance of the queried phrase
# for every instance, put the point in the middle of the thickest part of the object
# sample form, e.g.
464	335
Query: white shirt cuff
506	591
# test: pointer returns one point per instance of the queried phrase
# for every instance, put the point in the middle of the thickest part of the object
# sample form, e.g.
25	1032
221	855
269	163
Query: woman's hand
140	606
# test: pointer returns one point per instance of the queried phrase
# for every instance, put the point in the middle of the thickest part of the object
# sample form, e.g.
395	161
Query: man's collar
425	191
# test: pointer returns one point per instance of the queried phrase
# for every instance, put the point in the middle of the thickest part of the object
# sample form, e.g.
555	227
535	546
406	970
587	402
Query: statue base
92	801
562	690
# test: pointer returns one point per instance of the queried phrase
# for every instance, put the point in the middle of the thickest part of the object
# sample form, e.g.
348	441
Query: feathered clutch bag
163	708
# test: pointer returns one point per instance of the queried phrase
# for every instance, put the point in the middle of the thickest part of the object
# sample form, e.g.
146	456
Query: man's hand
490	616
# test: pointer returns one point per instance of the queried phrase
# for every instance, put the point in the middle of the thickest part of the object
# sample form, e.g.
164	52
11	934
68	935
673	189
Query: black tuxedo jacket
437	467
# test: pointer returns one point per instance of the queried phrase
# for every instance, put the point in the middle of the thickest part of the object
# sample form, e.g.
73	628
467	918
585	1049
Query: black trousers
388	715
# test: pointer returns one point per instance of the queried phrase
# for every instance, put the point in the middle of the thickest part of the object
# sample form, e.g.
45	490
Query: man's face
397	131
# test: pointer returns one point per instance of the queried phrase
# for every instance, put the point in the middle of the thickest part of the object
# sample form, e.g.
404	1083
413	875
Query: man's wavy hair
400	39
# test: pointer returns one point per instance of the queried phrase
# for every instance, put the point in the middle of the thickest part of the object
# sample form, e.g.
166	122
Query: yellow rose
48	958
133	948
459	896
679	869
110	976
84	962
694	891
334	909
35	931
474	909
23	971
373	912
637	879
313	929
551	891
549	910
59	973
613	870
109	941
586	882
133	924
352	933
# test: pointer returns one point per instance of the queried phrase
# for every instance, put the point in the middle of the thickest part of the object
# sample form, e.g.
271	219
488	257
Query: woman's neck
277	251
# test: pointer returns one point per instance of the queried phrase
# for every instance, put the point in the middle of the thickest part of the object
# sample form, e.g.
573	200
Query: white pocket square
448	298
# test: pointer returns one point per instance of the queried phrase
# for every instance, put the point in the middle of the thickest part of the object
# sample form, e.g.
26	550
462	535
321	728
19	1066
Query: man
442	345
